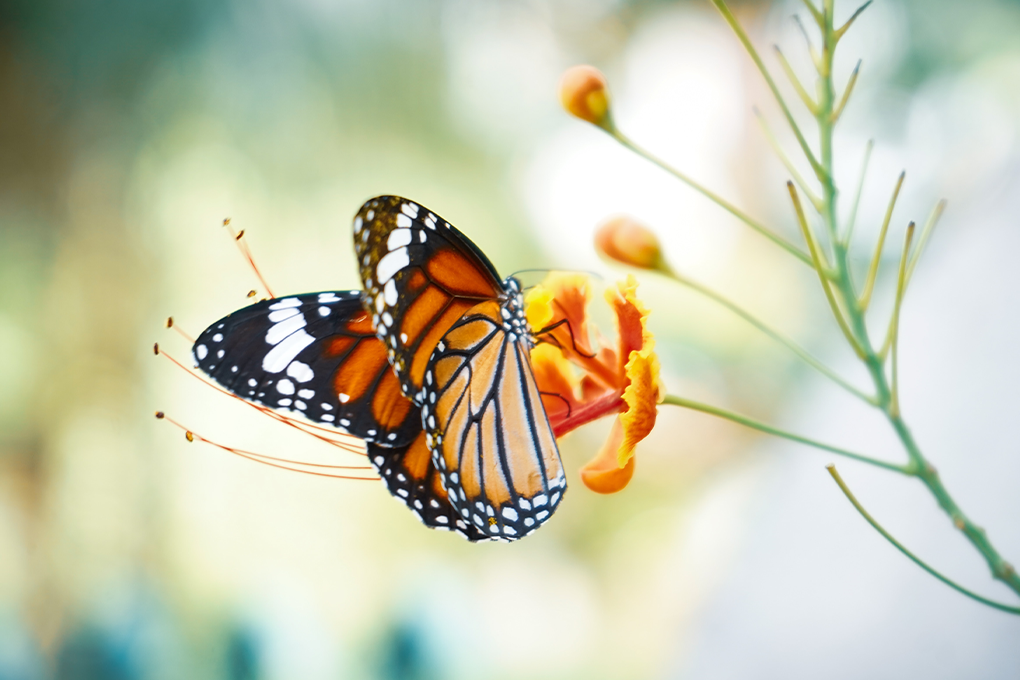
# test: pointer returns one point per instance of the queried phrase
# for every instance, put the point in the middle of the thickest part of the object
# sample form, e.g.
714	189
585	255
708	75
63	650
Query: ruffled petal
641	397
630	318
602	474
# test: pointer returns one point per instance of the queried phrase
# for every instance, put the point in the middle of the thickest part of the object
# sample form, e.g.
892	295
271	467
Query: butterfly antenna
242	245
342	441
560	397
273	461
587	272
180	331
553	341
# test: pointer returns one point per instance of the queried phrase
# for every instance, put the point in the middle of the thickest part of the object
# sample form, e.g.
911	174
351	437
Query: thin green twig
869	283
821	268
674	400
893	334
771	332
785	160
917	560
838	111
714	197
852	219
753	53
929	227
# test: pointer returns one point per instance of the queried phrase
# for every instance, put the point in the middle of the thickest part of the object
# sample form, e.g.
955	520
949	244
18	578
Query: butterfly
429	364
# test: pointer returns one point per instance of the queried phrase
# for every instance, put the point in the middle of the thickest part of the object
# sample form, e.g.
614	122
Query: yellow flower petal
641	397
538	307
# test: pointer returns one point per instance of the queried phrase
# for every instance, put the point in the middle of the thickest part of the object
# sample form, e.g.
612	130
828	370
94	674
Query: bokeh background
129	130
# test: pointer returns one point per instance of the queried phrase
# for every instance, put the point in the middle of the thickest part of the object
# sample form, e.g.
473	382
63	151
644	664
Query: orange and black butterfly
429	365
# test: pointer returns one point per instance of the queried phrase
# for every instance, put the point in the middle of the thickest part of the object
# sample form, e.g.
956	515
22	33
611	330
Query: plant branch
839	32
801	92
715	198
869	283
852	220
814	13
899	546
929	227
674	400
821	269
771	332
893	334
838	111
785	160
753	53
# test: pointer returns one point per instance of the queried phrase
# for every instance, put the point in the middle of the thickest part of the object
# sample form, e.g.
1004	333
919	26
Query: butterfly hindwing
485	425
420	275
410	475
314	354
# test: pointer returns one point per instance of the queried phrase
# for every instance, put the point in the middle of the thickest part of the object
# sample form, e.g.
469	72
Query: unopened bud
629	242
585	94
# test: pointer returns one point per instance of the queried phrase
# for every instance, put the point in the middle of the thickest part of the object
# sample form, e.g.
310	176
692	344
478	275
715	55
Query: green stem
899	546
674	400
769	331
918	465
714	197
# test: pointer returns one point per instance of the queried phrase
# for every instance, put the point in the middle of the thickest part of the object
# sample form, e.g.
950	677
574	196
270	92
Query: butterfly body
429	364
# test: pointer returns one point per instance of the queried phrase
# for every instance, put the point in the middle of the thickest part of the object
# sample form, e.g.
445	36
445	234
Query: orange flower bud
629	242
585	94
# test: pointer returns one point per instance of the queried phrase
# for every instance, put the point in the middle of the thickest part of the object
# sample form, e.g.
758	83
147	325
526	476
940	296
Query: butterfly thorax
515	323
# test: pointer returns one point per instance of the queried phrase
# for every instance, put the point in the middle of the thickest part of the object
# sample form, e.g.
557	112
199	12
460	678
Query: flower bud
629	242
585	94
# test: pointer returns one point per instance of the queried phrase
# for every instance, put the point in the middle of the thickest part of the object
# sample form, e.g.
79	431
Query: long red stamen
242	245
346	442
265	460
171	324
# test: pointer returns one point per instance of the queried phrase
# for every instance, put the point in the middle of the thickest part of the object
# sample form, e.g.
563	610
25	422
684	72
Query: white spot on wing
300	371
392	263
399	237
283	329
409	209
285	303
285	387
403	221
306	394
201	351
509	513
324	311
280	356
282	314
390	292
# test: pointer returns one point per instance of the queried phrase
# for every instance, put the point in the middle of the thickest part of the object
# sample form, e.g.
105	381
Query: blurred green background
129	130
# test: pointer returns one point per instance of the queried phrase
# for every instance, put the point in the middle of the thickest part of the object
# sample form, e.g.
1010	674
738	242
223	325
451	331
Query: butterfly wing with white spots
409	475
458	338
420	276
314	354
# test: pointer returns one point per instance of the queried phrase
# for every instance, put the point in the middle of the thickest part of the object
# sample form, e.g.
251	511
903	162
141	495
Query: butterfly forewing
315	354
485	425
421	276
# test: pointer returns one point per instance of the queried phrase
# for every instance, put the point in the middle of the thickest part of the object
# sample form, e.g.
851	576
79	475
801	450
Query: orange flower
621	380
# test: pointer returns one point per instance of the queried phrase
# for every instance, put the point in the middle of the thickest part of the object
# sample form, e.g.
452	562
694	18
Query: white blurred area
729	556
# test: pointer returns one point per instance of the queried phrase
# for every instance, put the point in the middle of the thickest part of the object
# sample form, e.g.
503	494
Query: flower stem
714	197
771	332
899	546
768	429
